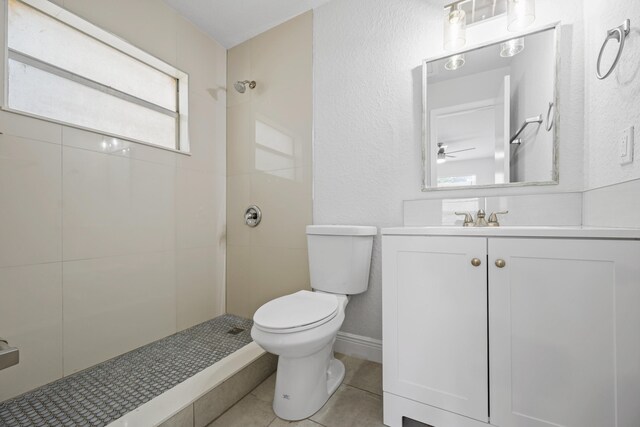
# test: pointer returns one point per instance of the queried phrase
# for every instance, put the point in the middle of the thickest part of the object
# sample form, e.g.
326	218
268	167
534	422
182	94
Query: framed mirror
489	116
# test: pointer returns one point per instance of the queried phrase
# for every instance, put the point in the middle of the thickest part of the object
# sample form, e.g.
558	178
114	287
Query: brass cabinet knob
500	263
476	262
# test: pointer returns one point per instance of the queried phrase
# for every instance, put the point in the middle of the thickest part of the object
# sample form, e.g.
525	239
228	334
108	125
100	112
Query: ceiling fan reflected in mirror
443	153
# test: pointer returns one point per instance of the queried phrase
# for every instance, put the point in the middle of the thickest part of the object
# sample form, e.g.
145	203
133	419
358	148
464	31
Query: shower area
269	152
128	273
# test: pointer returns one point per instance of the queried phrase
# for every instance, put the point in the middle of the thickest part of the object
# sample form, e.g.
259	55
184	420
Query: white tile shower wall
367	116
113	305
563	209
30	196
613	206
31	319
104	250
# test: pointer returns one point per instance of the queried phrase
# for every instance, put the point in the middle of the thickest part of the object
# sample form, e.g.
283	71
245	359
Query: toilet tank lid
342	230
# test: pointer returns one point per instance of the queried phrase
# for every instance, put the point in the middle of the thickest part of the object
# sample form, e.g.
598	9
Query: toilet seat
296	312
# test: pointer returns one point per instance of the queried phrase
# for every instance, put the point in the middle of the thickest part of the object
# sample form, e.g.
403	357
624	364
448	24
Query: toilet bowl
301	328
307	372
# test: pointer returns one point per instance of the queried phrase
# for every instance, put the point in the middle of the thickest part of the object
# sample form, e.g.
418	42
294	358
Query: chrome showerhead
242	86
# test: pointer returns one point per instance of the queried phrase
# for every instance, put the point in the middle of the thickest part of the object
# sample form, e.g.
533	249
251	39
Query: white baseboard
359	346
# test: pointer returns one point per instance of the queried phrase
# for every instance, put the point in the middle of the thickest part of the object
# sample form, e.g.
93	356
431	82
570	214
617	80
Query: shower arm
251	83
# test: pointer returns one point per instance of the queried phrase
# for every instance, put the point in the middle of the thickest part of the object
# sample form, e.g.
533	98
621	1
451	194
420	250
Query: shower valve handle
252	216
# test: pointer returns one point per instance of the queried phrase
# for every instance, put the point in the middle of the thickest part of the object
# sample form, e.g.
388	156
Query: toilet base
303	385
335	375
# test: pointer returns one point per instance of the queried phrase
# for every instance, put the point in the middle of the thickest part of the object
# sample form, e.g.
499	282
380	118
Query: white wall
612	198
612	104
464	90
368	115
102	253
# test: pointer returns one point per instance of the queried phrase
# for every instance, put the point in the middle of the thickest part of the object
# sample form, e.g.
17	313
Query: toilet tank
340	257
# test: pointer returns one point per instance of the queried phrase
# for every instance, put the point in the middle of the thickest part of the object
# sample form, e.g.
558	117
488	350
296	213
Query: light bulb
455	29
511	47
455	62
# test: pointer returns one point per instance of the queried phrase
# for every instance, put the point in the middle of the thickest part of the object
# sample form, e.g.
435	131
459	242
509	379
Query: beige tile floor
357	402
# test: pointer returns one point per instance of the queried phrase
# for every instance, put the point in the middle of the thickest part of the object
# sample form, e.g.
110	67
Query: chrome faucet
480	219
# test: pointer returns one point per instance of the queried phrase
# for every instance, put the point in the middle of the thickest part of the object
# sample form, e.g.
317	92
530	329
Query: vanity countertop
517	231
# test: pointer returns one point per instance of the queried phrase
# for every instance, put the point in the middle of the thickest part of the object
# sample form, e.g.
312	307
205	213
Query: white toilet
302	327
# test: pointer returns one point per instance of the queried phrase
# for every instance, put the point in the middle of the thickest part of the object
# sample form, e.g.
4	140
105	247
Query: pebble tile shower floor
105	392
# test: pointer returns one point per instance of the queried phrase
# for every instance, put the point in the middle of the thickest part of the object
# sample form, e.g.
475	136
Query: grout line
615	184
62	328
175	244
29	138
30	264
362	389
120	255
249	393
119	156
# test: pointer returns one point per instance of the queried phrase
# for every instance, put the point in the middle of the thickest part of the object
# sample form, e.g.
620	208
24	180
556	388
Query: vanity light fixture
455	27
520	14
455	62
512	47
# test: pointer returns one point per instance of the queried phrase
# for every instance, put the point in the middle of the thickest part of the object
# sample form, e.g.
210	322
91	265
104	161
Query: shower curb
204	397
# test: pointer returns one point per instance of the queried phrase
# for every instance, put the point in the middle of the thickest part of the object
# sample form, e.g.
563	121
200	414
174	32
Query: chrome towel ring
550	118
619	33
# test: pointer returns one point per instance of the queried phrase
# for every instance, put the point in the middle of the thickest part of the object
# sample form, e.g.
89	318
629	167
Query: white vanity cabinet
435	322
550	336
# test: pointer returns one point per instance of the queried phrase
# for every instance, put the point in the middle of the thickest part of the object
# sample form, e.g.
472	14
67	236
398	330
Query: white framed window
61	68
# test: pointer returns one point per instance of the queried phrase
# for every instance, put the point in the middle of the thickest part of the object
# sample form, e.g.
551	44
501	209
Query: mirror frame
427	154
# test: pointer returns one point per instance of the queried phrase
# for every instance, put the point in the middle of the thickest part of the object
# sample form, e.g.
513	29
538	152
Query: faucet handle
468	219
493	218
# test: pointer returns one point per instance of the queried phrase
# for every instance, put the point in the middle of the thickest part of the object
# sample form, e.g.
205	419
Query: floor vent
235	331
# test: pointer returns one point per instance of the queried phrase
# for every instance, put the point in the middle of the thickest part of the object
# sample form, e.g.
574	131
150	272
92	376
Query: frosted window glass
37	92
38	35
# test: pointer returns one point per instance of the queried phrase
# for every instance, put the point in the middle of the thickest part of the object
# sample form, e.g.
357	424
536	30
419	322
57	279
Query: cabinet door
435	322
564	333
